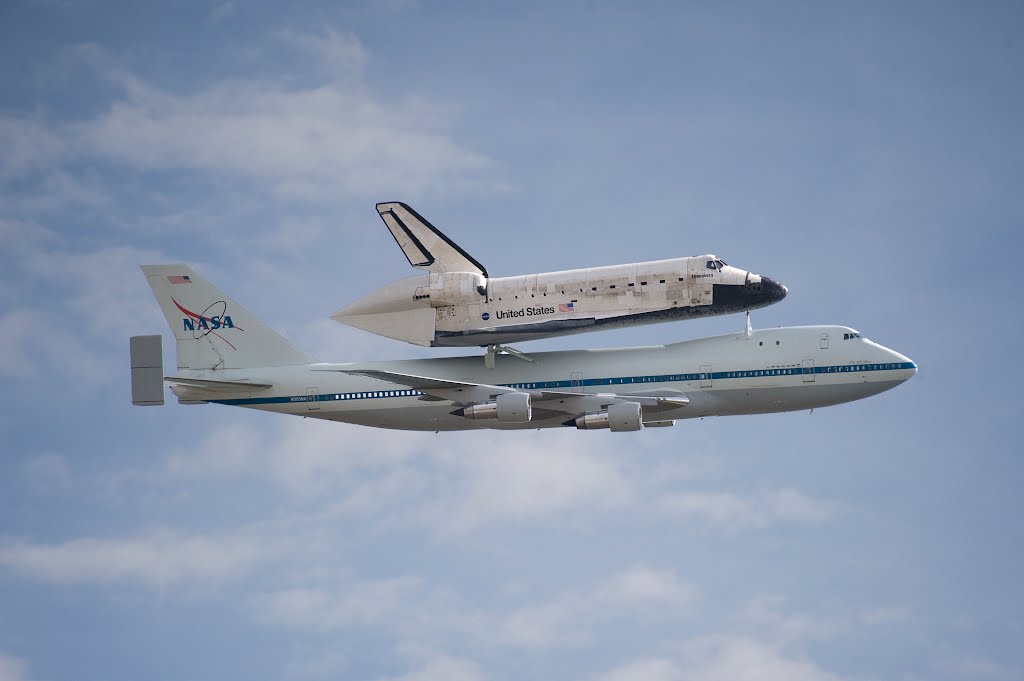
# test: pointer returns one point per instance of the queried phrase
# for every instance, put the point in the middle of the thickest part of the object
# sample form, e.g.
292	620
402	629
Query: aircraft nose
907	366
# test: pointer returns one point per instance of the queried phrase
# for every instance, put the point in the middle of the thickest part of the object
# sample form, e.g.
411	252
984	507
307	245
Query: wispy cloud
157	558
507	482
82	294
720	657
478	480
443	668
571	617
754	509
351	604
13	668
335	138
334	54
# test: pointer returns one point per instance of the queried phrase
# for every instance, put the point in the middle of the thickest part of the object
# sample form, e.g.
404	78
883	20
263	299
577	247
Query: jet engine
507	408
619	418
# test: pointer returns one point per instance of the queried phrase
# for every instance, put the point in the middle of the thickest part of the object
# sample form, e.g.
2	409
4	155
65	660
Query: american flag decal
565	307
179	279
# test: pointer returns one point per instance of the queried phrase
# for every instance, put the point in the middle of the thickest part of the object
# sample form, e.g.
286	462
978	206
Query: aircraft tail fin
423	244
211	329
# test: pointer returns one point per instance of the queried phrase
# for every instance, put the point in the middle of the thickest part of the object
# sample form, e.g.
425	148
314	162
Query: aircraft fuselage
771	370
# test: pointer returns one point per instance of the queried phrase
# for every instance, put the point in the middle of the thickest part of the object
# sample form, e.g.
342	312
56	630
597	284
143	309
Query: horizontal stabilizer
423	244
147	366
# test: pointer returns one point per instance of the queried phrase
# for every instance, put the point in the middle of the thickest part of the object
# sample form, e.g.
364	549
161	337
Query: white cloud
305	142
27	145
738	658
67	306
764	617
755	509
473	480
570	618
722	658
13	668
886	615
511	480
332	138
158	559
443	668
648	669
354	604
222	12
332	53
48	473
306	456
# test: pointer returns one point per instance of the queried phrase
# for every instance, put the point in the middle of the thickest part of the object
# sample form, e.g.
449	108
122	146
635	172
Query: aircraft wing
438	388
215	386
423	244
560	401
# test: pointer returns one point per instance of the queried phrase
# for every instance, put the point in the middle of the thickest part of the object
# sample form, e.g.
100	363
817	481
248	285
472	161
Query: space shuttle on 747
456	303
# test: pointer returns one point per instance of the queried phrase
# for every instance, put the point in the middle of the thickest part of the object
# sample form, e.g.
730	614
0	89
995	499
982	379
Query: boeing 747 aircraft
227	356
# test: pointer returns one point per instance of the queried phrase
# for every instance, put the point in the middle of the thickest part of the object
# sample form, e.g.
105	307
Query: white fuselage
466	308
770	370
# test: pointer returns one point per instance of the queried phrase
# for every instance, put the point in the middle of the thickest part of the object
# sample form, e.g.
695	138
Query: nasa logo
206	323
485	316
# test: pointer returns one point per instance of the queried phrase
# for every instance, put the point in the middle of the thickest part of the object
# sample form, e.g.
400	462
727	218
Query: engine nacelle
507	408
620	417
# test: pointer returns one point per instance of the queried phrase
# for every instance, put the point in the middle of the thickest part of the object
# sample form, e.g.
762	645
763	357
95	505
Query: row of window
766	372
379	393
860	367
593	288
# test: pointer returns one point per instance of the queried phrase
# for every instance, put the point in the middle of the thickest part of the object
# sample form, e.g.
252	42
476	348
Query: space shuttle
456	303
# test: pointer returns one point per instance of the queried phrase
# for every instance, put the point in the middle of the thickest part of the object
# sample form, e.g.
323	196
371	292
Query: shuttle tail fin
423	244
211	329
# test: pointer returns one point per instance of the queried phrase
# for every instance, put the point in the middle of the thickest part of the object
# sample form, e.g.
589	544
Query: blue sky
867	155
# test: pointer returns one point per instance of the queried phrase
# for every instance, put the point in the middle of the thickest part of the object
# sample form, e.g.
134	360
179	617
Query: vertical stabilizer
211	329
423	244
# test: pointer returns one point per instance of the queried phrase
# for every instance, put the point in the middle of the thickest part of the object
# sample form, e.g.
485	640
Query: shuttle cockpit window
848	336
715	265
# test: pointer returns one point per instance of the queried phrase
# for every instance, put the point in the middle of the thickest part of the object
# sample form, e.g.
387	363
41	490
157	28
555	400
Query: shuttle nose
773	290
755	291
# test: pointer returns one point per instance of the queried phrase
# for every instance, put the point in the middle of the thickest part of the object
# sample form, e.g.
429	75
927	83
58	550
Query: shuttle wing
423	244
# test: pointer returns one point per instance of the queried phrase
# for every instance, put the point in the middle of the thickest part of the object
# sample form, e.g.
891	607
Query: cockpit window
715	264
848	336
721	264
